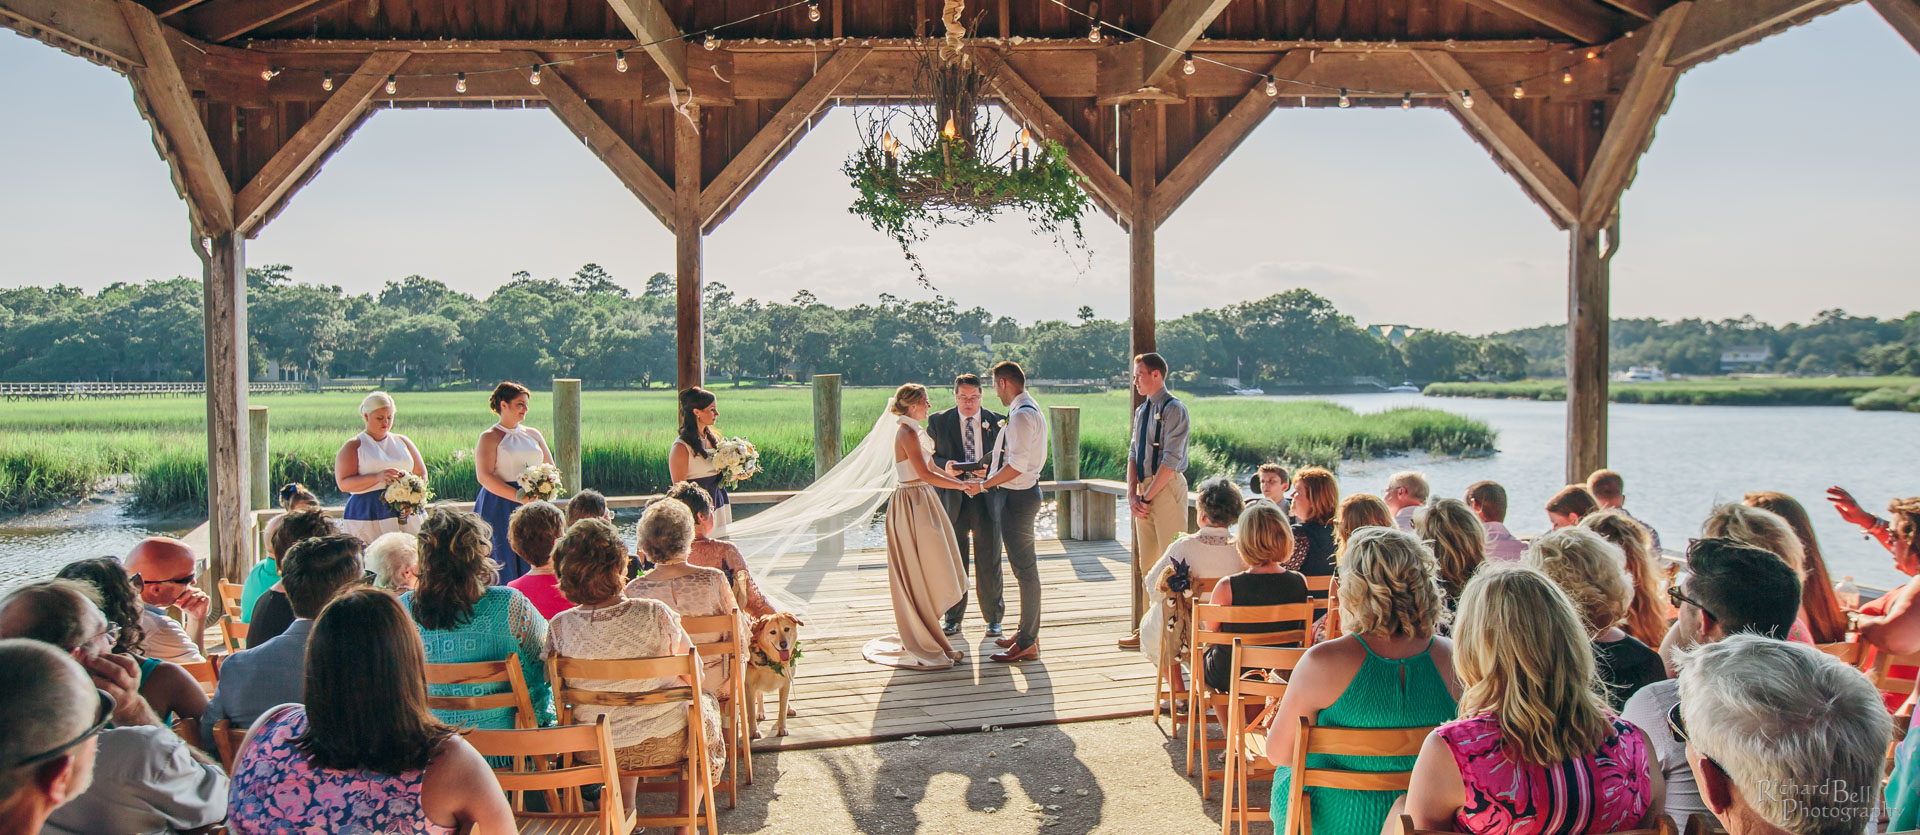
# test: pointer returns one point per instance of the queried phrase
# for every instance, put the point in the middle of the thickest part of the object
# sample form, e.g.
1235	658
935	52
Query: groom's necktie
973	450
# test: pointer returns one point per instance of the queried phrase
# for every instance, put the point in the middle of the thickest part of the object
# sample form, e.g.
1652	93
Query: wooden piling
826	445
566	431
1065	433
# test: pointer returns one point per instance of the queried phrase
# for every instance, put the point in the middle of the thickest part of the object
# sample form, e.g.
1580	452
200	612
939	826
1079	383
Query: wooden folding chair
1848	651
561	670
1880	669
1202	699
1354	742
1320	592
230	594
226	740
1662	826
570	815
1701	823
506	671
1247	744
206	672
1165	690
731	649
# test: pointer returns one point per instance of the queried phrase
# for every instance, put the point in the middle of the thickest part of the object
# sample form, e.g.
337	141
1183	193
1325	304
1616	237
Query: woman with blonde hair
1391	670
1360	510
1765	530
1592	572
1647	617
367	464
1536	750
924	570
1458	540
1264	542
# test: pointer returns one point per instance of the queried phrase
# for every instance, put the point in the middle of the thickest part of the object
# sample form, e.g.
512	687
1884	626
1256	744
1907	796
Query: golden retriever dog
770	662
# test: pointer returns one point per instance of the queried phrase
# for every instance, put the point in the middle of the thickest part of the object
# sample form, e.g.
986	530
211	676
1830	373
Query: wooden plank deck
842	698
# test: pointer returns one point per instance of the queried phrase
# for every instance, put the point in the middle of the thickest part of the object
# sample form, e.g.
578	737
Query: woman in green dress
1391	670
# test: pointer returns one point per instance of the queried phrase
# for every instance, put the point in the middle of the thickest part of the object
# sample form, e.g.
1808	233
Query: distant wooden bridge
81	390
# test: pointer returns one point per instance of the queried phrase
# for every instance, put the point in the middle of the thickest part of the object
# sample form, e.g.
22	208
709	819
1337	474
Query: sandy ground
1120	775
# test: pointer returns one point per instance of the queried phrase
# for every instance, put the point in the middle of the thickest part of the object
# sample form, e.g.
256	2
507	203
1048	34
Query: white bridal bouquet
737	460
408	496
540	481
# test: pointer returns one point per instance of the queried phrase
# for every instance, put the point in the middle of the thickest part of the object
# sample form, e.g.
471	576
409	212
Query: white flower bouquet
540	481
737	460
408	496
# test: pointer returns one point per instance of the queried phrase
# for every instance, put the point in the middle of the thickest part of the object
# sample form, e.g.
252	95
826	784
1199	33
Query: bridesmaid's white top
380	455
698	466
519	449
904	469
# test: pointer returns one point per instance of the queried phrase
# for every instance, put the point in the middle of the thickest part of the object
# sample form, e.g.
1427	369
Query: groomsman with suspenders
1156	474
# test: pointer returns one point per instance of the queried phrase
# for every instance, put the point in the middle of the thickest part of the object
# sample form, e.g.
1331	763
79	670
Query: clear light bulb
620	60
1273	89
1186	64
708	42
268	74
1466	99
326	82
1406	101
460	83
1344	101
1093	32
1566	76
1592	54
813	12
533	78
392	86
1519	92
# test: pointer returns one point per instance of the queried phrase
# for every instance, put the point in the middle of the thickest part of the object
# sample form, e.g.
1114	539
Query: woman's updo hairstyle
381	400
696	438
506	393
295	493
906	396
1390	585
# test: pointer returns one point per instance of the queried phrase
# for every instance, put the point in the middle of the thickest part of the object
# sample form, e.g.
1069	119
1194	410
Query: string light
1093	32
1466	99
326	82
708	43
533	78
619	61
1186	64
1273	88
1566	76
1519	92
813	10
268	74
1344	101
460	83
1406	101
392	86
1592	54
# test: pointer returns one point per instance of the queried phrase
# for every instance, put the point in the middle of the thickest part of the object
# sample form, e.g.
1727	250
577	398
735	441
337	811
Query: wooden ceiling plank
223	20
753	160
1903	16
654	28
1648	93
607	144
1511	145
161	94
1103	184
1226	135
293	162
1717	27
1182	23
1579	19
95	26
1643	9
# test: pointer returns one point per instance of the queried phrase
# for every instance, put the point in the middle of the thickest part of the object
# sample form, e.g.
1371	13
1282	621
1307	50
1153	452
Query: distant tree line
1835	342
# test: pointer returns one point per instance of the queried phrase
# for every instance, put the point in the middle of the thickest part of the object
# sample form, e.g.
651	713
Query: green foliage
1724	391
1835	342
1890	399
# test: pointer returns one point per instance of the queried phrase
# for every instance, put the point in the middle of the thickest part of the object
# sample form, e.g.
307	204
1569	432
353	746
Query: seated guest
1768	532
1593	574
1360	510
272	614
587	504
1489	502
50	718
666	535
1405	493
1567	506
1890	622
1209	554
1536	749
1610	493
1727	588
592	561
1316	499
1647	618
1272	482
1783	738
168	687
1819	606
1389	671
717	554
1459	543
464	618
1265	541
394	559
165	567
272	672
362	753
145	777
531	531
294	496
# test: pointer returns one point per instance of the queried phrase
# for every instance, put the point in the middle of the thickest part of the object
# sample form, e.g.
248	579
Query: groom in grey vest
965	434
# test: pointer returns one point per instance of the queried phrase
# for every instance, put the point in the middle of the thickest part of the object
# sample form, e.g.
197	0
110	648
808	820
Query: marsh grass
59	450
1718	391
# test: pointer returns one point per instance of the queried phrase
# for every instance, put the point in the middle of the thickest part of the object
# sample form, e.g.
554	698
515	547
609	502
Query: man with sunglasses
164	567
50	715
1727	588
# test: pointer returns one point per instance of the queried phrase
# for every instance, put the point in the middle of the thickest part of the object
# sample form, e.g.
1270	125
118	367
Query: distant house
1394	334
1745	357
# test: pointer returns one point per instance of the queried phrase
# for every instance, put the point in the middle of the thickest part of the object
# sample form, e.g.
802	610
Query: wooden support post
1903	16
1101	522
566	431
1065	433
690	330
224	308
262	476
1142	174
826	446
1586	354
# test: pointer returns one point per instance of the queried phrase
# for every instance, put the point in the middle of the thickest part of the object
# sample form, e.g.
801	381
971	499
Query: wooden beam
224	20
654	28
1579	19
1143	139
750	164
689	328
1182	23
607	144
296	160
1717	27
1648	93
1218	144
1587	337
82	26
1903	16
1511	145
1643	9
178	134
1111	193
224	315
168	8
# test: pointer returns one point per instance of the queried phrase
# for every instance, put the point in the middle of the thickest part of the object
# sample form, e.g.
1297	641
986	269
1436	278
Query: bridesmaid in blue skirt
365	466
690	457
505	451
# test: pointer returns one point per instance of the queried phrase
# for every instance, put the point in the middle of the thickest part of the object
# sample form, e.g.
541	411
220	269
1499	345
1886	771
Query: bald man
166	568
50	717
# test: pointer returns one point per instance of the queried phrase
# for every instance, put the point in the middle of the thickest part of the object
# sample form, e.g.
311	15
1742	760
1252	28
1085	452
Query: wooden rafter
1111	193
1581	20
652	26
161	93
1511	145
606	143
165	8
1717	27
1643	9
295	161
94	27
1178	27
1903	16
1214	148
224	20
1648	93
751	164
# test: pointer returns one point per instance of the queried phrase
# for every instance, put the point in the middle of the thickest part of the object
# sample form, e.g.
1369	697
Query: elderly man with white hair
1784	739
1406	492
50	719
394	559
370	462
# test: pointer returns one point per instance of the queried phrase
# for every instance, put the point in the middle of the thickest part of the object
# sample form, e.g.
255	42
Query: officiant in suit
966	433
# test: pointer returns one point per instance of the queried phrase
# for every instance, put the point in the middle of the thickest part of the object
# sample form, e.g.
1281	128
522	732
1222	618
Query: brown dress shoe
1129	642
1016	654
1003	642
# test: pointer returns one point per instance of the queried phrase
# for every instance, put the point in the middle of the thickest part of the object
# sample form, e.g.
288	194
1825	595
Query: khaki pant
1166	520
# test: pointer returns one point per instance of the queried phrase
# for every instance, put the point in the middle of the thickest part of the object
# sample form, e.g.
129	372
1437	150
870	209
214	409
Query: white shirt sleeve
1024	428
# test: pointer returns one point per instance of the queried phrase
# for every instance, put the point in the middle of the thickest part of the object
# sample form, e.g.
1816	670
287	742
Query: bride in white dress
923	558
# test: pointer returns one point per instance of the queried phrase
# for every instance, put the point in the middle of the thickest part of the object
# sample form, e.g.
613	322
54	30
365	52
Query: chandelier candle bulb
620	59
949	131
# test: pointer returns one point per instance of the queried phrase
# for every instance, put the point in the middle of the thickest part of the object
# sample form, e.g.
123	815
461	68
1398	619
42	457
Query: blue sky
1782	183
